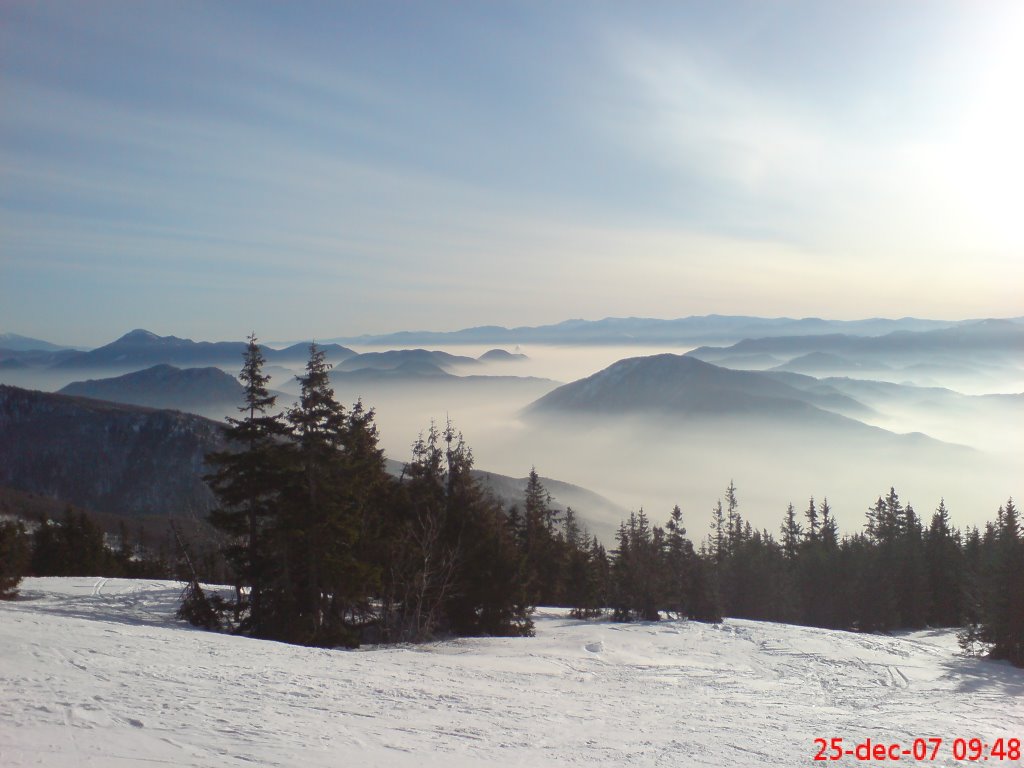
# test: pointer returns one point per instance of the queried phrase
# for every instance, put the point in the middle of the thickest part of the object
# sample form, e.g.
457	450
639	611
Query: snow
97	672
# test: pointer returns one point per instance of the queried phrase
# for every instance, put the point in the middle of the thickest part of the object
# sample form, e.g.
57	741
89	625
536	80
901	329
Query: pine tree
321	594
489	596
946	568
679	565
734	524
829	526
419	561
543	563
812	521
73	547
914	593
579	589
14	558
637	570
719	548
1002	623
792	533
246	480
705	604
457	566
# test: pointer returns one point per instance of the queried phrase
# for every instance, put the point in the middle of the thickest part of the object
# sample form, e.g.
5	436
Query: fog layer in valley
654	463
972	456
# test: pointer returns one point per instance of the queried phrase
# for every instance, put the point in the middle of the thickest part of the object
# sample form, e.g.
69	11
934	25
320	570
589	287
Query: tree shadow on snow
155	608
973	675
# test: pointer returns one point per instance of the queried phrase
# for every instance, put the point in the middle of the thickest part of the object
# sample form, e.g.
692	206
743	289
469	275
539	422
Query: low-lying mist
656	463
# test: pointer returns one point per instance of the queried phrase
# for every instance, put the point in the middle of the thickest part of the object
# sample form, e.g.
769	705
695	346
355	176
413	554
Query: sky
325	169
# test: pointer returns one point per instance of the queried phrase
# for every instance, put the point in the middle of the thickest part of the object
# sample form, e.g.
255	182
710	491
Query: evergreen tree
457	567
73	547
719	545
914	593
247	480
792	533
638	572
734	524
420	564
812	521
541	549
580	590
829	526
14	558
321	592
946	569
705	604
489	597
1002	611
679	565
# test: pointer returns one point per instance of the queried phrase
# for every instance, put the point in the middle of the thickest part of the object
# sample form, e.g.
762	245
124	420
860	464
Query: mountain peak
139	336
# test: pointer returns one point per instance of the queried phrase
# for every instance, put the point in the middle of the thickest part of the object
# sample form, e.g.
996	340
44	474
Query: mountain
164	386
980	356
106	457
141	349
824	363
640	330
675	385
131	460
407	370
299	353
502	356
967	340
13	342
411	359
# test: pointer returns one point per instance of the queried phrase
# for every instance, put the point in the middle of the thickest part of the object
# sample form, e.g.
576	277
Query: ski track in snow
97	673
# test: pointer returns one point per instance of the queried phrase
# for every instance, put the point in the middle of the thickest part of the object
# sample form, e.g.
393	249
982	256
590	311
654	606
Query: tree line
899	573
324	547
75	545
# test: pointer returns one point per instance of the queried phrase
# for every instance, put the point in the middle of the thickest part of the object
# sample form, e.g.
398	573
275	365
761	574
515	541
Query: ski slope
97	672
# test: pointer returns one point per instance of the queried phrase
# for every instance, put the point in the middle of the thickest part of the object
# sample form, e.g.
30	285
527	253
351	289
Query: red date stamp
920	750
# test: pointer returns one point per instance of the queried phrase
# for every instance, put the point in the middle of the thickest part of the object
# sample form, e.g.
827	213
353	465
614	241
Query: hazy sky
337	168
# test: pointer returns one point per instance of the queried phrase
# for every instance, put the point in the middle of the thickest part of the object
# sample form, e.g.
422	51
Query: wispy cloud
374	169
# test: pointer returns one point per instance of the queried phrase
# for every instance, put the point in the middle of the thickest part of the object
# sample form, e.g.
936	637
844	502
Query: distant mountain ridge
639	330
409	358
14	342
397	365
964	338
140	349
143	348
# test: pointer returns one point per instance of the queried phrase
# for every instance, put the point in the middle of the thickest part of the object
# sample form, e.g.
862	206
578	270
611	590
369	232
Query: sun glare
988	151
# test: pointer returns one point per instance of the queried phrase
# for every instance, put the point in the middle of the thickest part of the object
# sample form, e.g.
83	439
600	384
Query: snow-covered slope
97	673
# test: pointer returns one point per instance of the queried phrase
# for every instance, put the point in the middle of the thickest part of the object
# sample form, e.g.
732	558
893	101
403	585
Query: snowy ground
97	673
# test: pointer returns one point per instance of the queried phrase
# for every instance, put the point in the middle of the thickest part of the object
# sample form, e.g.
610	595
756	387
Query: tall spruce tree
541	549
946	568
679	565
1002	611
324	589
246	480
